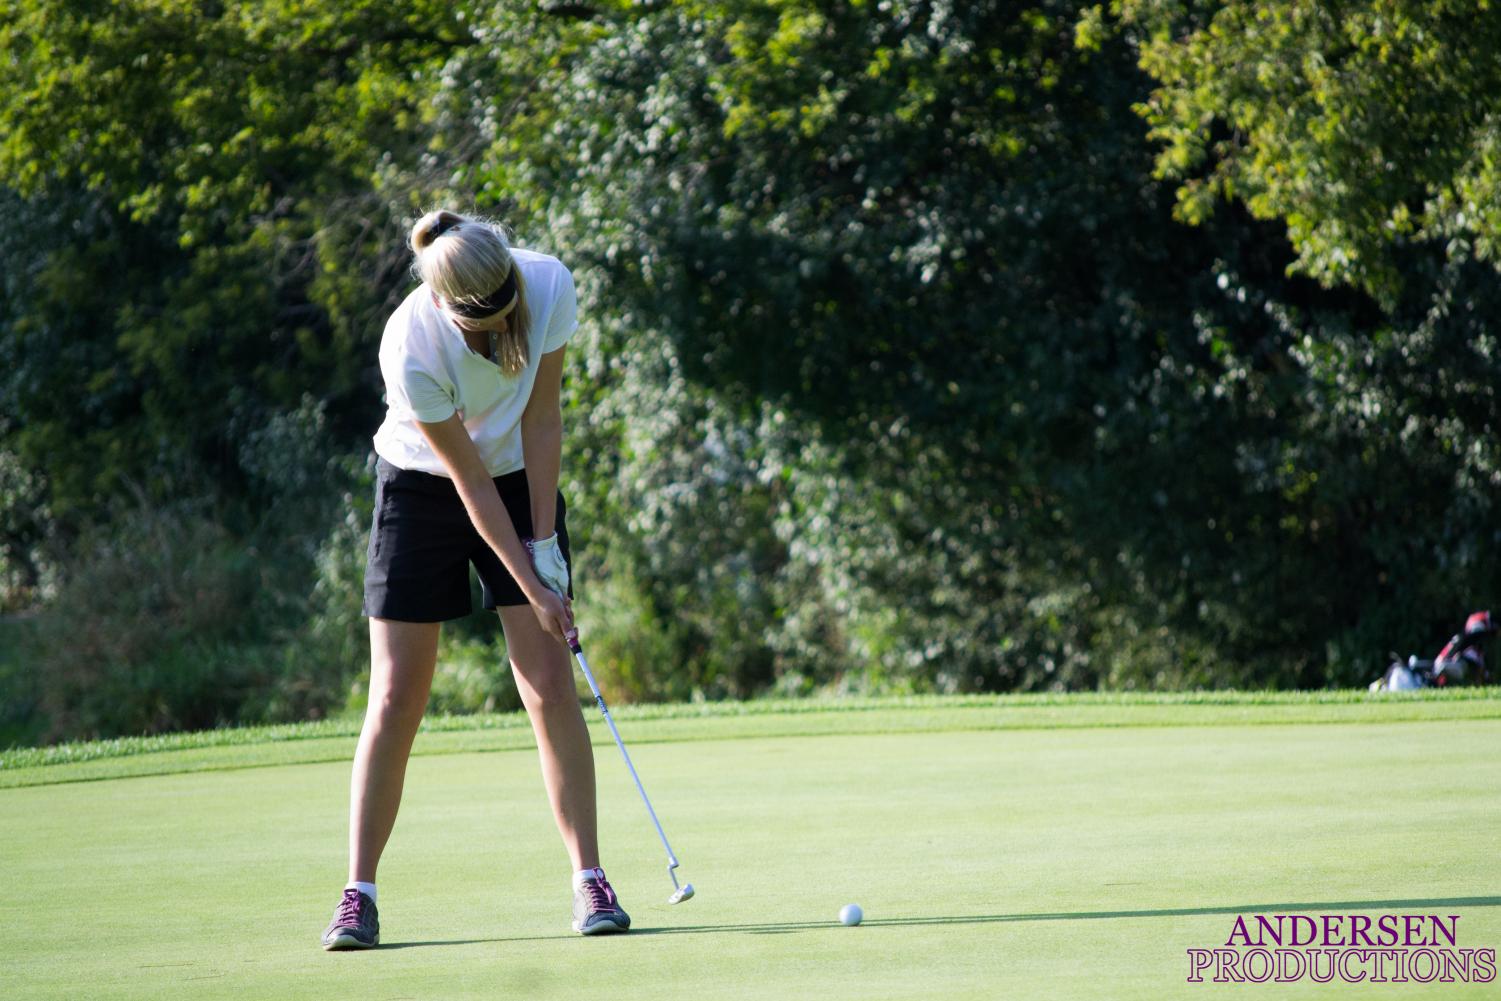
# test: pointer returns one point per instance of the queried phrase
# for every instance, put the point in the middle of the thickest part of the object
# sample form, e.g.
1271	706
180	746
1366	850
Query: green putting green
1053	849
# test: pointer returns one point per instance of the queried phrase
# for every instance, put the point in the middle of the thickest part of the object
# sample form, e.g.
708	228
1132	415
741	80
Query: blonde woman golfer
468	476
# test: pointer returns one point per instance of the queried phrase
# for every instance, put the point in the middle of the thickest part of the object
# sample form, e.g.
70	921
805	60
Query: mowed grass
1066	854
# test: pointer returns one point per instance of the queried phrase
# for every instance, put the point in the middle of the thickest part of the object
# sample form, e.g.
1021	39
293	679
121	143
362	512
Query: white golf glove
547	560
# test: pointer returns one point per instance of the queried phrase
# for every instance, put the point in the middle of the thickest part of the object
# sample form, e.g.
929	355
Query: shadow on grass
787	927
384	946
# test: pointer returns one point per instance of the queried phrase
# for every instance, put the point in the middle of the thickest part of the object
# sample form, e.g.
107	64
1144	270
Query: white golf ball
851	914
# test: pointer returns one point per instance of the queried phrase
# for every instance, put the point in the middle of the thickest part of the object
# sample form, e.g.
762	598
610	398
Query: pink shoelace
601	896
349	908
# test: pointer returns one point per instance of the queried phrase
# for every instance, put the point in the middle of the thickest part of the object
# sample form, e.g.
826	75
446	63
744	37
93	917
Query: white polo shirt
431	373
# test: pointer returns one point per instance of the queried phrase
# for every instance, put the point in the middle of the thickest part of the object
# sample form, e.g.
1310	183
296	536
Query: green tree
206	204
1365	127
203	239
906	257
1009	424
897	370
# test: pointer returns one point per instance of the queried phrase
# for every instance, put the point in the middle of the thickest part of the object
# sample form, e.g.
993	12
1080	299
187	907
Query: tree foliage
201	241
1365	127
900	367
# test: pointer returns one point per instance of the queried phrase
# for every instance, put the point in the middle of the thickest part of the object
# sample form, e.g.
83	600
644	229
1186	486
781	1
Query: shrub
20	699
136	638
326	649
473	676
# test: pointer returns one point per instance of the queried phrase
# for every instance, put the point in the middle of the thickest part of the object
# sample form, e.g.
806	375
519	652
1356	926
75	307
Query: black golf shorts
422	544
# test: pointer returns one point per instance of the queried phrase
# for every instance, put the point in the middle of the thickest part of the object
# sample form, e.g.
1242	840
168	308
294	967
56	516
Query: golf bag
1460	662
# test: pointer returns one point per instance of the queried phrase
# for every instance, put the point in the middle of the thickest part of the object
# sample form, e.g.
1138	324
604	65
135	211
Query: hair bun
432	226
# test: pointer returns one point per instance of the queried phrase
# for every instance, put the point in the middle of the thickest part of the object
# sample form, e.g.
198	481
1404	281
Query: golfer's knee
400	709
549	690
398	706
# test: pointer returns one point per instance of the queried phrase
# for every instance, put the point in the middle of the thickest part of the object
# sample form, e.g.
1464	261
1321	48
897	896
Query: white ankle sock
368	889
584	874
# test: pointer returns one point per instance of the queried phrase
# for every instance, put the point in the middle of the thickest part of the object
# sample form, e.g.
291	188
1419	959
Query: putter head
683	893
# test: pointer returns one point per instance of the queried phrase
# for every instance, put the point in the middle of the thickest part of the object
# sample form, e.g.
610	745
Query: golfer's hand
547	560
554	612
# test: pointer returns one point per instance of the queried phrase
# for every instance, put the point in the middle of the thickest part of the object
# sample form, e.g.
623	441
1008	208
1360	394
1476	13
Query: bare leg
544	676
402	658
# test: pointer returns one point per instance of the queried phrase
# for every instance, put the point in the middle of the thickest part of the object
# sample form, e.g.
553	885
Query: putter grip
572	636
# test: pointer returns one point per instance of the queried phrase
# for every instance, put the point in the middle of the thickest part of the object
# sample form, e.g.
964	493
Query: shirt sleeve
564	319
413	392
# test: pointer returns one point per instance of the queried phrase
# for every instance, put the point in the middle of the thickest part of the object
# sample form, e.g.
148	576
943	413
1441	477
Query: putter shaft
672	860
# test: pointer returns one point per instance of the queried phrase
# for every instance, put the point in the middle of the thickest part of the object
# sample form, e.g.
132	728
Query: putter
681	892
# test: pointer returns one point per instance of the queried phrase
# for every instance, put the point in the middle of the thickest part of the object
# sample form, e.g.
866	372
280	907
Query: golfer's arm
542	442
453	445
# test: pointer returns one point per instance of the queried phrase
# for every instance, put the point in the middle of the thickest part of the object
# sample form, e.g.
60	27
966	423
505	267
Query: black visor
490	304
